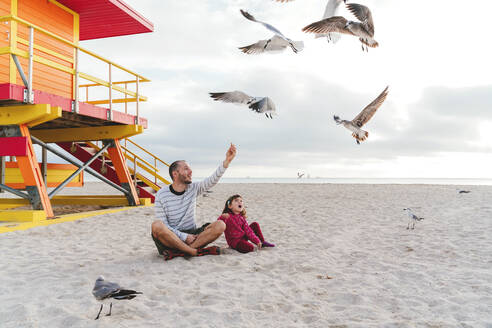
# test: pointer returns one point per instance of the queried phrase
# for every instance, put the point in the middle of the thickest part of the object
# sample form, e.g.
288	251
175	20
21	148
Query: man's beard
185	180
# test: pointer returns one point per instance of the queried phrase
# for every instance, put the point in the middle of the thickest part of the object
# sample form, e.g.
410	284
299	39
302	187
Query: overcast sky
434	55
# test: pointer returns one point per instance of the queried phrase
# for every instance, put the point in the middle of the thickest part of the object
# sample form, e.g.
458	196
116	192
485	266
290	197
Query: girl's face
236	205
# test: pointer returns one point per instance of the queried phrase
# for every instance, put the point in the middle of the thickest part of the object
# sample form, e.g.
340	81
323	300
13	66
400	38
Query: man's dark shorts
161	247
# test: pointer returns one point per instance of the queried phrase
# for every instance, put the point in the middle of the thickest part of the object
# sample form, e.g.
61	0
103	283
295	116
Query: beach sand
344	258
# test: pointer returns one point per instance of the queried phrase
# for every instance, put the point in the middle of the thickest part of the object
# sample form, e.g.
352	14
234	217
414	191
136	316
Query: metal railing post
2	171
135	171
138	100
155	170
30	93
44	166
126	102
110	93
76	82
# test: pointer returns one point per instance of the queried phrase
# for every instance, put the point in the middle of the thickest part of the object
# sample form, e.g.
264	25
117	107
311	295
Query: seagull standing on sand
258	104
364	29
107	291
272	29
363	117
412	218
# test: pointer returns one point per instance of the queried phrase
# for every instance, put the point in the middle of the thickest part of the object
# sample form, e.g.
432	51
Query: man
176	233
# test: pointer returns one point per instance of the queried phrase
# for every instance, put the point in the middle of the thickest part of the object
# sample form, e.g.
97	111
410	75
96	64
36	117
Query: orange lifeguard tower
44	100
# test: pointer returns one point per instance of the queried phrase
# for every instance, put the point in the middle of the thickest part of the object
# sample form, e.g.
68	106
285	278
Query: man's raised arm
215	177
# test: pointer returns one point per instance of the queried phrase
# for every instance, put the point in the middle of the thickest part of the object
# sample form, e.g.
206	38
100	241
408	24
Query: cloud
199	128
435	106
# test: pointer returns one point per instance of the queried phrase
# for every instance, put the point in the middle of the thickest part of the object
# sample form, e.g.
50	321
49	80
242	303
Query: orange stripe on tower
119	164
31	172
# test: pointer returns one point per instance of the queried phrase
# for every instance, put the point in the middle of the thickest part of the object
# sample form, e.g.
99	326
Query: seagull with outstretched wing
273	44
258	104
272	29
107	291
364	116
363	29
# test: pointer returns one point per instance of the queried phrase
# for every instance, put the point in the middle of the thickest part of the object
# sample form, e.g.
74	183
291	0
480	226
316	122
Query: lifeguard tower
48	97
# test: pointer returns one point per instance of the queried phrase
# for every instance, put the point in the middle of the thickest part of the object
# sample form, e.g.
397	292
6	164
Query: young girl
238	232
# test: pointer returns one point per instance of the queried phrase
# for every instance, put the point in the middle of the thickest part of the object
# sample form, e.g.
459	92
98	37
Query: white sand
438	275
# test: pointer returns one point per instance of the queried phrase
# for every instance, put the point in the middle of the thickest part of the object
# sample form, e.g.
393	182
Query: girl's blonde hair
229	201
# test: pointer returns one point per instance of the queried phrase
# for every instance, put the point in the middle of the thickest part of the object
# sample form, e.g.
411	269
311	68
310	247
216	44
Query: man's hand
190	239
230	154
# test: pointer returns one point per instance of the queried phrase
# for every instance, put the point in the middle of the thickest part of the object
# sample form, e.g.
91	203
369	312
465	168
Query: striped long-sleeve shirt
178	211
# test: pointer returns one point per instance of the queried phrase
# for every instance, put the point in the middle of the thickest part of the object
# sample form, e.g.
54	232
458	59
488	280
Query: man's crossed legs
193	247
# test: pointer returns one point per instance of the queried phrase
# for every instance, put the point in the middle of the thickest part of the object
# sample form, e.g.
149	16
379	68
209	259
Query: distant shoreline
389	181
405	181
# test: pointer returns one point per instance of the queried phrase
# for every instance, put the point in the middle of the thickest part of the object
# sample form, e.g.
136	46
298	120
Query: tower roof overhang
107	18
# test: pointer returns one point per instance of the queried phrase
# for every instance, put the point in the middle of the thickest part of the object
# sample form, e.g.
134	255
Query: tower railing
142	169
38	53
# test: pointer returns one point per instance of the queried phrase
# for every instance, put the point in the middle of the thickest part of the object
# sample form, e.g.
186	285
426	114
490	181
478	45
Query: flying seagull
272	29
363	117
364	29
412	218
258	104
332	8
300	175
107	291
275	43
284	0
463	191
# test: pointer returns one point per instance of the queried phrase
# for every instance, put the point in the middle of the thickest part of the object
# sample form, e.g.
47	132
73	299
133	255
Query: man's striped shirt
178	211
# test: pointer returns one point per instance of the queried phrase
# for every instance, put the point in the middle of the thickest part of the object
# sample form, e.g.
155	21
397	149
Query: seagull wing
331	9
363	14
327	25
276	44
125	294
284	0
268	26
237	97
104	289
263	105
255	48
370	109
